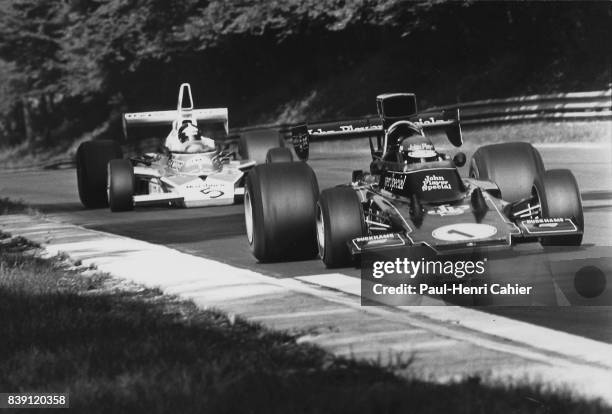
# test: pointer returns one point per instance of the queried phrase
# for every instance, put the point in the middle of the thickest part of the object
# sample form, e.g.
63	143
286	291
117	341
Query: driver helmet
192	140
188	132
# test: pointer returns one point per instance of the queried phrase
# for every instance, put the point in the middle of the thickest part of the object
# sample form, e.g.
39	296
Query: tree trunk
44	119
27	120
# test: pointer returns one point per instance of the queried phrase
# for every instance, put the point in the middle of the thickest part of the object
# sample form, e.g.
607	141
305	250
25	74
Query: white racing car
193	170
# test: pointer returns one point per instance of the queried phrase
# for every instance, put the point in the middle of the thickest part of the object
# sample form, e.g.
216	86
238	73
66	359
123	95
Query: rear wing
184	112
444	120
301	135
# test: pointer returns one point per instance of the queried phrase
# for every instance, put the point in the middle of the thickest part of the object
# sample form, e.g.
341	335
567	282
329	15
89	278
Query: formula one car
413	195
193	170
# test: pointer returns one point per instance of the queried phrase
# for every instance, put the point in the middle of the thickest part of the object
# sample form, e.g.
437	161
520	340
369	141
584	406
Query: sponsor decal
421	150
345	128
196	160
395	182
377	237
432	120
447	210
194	186
422	154
544	220
548	225
464	232
212	192
378	241
421	146
435	182
176	164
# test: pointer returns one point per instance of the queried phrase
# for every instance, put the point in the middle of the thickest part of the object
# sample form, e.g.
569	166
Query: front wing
528	231
456	229
189	191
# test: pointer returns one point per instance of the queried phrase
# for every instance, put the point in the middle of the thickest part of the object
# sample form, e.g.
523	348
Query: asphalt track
218	232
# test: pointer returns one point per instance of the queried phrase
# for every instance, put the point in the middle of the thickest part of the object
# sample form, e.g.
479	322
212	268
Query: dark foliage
70	66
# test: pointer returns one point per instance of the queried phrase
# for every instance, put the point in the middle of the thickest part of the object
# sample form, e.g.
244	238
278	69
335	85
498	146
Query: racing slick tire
92	158
280	210
280	154
120	185
340	219
559	196
254	145
512	166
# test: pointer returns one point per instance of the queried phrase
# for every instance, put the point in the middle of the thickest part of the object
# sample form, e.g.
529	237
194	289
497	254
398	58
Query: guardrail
575	106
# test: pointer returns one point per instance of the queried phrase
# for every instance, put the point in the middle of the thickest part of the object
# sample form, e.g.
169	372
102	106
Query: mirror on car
459	159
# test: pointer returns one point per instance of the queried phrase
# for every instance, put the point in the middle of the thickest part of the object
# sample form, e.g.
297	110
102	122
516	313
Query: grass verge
8	206
124	348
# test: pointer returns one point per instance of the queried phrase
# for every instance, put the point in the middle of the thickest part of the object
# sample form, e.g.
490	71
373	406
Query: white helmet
189	132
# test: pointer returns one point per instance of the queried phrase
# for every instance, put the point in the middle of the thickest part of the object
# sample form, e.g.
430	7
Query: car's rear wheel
339	220
280	154
512	166
92	158
254	145
280	211
120	185
558	195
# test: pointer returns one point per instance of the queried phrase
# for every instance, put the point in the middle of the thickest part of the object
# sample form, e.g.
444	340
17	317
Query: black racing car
413	195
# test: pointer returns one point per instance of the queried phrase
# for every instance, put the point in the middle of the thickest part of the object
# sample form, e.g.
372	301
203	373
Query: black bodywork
423	200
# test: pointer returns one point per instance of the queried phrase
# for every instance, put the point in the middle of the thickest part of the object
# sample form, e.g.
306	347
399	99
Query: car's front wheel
340	219
280	154
280	210
120	185
512	166
254	145
92	158
558	196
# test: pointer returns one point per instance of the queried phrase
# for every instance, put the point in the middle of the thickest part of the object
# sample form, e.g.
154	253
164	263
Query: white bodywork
193	179
190	180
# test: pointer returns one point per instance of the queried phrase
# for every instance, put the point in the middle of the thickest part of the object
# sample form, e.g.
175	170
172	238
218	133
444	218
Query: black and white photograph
316	206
